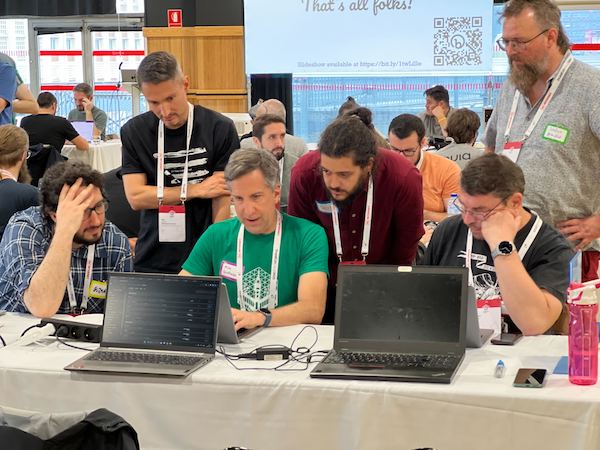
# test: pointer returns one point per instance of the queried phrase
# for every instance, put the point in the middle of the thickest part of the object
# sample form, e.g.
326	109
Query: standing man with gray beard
547	122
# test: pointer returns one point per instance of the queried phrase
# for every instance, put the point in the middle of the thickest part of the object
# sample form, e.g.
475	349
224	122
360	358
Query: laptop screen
85	129
380	303
161	312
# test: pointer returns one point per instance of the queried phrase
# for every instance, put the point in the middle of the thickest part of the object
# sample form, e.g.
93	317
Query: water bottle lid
585	295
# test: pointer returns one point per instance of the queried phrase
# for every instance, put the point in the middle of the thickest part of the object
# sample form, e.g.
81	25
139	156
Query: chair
40	158
29	430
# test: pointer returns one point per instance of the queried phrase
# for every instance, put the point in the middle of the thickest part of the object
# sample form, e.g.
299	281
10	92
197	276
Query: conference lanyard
366	228
7	174
160	163
522	251
89	265
273	296
543	105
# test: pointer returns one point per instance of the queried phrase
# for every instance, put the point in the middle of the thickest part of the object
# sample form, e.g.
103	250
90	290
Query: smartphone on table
506	339
532	378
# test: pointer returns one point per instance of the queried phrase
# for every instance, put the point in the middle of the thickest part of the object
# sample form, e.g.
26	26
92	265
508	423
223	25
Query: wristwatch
504	248
265	312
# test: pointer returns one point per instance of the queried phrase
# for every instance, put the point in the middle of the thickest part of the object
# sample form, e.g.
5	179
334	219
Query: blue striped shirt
24	245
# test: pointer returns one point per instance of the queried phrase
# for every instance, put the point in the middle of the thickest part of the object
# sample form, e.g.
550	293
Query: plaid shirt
24	246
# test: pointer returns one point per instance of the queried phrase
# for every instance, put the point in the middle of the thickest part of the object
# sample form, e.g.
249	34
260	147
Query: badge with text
512	149
556	133
228	270
171	223
489	313
97	289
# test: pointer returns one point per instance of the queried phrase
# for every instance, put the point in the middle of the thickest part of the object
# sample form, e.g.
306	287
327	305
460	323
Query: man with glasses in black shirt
510	252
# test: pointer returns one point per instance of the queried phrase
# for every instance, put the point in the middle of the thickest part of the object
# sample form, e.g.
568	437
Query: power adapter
273	353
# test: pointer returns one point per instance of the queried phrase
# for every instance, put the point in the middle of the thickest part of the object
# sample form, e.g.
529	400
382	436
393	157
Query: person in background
8	86
15	192
463	126
368	199
24	102
194	159
509	251
86	111
441	177
56	258
48	128
284	258
555	134
437	112
366	116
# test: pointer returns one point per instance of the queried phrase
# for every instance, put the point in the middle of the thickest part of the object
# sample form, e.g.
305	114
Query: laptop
227	333
476	336
85	129
156	325
398	323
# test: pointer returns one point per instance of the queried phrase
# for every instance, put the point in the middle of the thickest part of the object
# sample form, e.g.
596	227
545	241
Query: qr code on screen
458	41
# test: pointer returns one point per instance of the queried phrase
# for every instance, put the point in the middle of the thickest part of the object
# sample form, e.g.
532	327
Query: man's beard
24	176
527	74
360	186
79	239
280	155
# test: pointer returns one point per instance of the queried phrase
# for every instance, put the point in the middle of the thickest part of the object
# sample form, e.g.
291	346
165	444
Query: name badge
97	289
171	223
228	270
512	149
556	133
489	313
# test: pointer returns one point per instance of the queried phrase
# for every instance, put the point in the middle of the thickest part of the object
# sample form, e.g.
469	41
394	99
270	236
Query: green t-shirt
304	249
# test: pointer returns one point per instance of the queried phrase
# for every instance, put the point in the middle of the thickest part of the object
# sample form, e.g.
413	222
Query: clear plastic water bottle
451	208
583	335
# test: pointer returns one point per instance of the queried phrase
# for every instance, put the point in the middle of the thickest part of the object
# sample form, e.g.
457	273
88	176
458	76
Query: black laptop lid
161	312
401	309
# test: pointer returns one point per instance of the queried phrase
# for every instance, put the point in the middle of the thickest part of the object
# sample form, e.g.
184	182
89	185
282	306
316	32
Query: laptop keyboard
393	360
144	358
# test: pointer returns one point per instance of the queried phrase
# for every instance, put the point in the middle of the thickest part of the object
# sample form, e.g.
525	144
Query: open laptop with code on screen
398	323
156	324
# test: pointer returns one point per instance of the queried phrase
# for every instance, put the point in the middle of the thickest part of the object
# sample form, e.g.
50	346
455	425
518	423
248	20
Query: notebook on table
156	324
398	323
85	129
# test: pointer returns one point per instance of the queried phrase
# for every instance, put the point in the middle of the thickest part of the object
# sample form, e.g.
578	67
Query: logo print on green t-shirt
255	288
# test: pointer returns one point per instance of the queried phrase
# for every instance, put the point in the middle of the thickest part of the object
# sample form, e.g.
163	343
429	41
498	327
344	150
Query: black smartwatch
267	313
504	248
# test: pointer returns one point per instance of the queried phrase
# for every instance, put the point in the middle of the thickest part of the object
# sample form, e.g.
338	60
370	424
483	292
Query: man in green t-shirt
274	265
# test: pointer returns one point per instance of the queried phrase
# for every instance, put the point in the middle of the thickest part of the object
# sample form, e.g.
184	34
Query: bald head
271	106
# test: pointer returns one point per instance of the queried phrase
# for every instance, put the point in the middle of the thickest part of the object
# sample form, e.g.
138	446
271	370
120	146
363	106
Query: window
20	43
53	43
70	43
112	44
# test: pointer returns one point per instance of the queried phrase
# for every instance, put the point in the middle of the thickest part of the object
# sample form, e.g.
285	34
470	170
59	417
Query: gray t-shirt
461	154
432	127
100	119
561	179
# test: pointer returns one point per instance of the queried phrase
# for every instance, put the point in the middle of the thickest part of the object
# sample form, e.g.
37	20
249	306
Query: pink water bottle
583	336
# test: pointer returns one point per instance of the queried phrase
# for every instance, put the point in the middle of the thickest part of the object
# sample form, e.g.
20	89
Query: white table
103	156
218	406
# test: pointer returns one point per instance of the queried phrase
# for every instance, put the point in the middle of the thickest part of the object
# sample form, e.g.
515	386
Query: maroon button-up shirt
397	222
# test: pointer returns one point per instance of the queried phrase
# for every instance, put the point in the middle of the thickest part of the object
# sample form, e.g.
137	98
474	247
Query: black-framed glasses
407	151
99	209
518	44
479	215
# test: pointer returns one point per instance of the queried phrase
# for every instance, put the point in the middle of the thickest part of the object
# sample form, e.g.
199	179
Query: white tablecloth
217	406
104	156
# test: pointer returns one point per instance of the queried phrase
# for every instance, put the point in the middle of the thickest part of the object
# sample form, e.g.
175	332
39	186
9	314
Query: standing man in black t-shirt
509	251
192	145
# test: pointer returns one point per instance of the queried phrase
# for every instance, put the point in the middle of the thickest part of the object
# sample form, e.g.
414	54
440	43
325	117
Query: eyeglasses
479	215
99	209
517	44
407	151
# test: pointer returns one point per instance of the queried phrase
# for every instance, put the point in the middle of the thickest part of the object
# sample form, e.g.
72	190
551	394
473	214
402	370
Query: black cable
37	325
72	346
3	341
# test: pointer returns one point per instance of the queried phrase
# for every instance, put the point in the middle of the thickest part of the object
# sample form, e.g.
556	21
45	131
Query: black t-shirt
48	129
546	261
15	197
214	138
